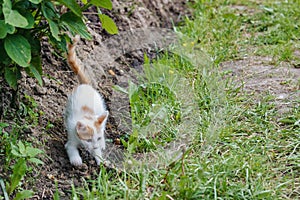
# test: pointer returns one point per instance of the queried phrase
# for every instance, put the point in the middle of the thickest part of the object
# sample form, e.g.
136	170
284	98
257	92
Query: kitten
85	115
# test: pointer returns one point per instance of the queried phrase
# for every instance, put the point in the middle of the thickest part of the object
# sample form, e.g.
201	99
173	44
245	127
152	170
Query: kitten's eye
99	138
89	140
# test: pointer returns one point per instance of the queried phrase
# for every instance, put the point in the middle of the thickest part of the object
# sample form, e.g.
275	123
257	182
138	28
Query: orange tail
73	62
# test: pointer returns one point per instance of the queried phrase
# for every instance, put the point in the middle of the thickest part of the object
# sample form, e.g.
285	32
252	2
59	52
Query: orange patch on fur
87	109
100	121
84	132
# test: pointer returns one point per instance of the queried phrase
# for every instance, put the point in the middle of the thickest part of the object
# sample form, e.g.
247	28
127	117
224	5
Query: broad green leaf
3	29
18	49
5	59
13	17
84	1
108	24
75	25
17	175
36	161
35	46
21	148
32	152
35	67
25	194
73	6
35	1
30	19
10	29
11	77
54	29
37	63
102	3
49	11
61	45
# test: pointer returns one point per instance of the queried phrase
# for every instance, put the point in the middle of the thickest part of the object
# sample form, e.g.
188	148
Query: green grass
238	147
233	29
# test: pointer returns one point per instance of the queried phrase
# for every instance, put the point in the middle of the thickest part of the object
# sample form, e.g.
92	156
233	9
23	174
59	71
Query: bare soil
257	77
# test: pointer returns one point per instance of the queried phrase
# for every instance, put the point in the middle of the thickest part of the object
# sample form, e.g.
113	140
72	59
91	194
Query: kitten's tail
73	61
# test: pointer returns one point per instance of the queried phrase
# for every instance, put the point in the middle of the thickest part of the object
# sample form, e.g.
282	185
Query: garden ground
234	70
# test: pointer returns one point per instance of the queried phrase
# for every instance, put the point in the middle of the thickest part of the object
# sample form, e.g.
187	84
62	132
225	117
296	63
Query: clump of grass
153	96
153	104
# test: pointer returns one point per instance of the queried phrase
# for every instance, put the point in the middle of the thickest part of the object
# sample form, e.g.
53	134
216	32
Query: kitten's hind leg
73	154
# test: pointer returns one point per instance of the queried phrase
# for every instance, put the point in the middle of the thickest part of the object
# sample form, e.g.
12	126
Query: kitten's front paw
98	157
98	160
76	160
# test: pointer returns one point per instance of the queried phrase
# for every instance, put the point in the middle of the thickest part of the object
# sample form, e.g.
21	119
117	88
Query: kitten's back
86	98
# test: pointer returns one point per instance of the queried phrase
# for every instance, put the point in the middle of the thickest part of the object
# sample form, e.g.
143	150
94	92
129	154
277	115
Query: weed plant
19	157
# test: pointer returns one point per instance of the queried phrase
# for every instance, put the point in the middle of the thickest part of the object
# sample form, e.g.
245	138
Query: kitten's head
90	130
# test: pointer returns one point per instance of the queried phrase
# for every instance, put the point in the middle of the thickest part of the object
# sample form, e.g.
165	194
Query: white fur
84	95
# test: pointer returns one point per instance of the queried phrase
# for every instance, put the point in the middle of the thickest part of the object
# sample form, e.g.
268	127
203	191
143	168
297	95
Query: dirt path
256	76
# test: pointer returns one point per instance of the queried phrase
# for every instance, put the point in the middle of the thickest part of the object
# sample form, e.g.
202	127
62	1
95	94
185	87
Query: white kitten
85	116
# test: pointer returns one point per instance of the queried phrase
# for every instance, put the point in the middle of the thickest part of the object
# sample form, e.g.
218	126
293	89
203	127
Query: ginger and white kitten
85	116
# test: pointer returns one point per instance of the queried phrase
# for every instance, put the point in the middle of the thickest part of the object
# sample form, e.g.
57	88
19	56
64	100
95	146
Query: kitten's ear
102	118
84	132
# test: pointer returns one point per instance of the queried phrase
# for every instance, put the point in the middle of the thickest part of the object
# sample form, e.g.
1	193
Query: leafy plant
19	171
23	154
24	23
27	152
19	157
